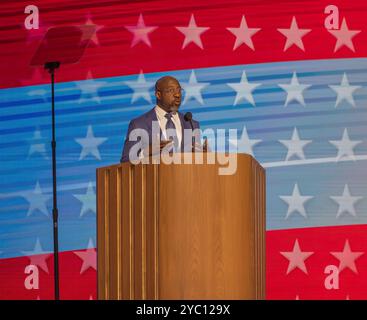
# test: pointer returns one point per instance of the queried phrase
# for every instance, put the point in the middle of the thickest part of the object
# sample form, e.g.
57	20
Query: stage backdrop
291	78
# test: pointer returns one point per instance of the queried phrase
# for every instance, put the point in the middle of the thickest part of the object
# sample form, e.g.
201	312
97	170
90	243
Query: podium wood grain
181	231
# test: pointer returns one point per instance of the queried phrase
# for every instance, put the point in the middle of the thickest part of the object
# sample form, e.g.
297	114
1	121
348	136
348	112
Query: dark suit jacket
145	122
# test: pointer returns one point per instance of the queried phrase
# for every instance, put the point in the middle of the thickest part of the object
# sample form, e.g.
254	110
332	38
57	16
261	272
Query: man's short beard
174	108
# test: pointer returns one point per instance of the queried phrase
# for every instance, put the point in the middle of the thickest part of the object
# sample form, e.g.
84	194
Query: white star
38	146
94	37
243	34
296	202
345	146
37	200
90	144
344	36
89	257
141	32
296	258
89	88
295	146
244	90
347	258
294	90
346	202
245	144
38	257
193	89
141	88
294	35
88	200
344	91
192	33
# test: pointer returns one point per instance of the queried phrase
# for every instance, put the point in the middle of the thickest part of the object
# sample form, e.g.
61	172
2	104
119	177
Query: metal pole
51	66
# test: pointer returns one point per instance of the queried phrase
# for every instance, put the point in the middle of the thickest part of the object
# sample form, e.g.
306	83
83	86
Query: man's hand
205	145
201	148
162	144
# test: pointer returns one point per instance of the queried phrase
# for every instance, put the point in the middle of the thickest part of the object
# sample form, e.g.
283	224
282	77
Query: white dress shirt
163	121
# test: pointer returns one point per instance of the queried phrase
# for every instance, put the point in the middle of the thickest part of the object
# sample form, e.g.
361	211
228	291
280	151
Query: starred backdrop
296	92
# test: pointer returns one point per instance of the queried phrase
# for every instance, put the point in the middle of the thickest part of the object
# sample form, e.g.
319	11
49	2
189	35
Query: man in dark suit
170	122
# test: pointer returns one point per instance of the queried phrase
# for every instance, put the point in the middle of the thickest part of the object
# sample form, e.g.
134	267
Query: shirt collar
161	113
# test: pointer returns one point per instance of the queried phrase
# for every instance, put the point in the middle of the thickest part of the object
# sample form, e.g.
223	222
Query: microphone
188	117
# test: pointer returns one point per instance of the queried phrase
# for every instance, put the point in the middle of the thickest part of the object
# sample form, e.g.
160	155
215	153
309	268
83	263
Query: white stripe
310	161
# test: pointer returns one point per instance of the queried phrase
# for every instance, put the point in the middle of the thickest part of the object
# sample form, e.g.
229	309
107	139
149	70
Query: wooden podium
181	231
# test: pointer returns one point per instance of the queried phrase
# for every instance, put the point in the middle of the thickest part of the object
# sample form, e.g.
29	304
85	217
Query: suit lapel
149	118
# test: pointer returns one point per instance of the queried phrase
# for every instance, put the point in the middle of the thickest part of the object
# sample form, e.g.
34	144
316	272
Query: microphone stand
51	67
188	117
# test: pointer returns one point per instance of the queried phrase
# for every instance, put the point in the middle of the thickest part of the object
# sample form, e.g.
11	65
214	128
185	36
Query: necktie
171	130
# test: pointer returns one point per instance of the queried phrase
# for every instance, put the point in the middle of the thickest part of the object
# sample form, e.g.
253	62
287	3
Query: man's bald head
168	93
163	82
